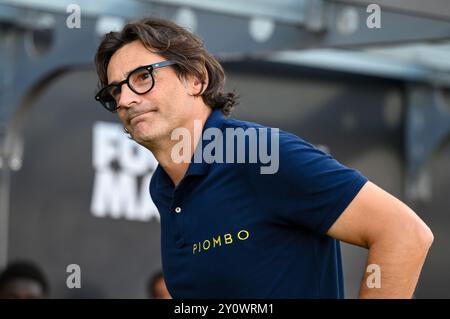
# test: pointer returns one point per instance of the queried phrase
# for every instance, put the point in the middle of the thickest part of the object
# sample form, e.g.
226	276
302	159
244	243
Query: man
156	287
23	280
230	229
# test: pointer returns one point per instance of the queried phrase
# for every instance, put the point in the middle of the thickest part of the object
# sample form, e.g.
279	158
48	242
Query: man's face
153	116
22	288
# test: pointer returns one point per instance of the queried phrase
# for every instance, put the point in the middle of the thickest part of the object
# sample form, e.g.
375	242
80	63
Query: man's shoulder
285	137
230	122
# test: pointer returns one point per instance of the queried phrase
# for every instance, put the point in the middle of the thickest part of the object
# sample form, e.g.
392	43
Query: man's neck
163	152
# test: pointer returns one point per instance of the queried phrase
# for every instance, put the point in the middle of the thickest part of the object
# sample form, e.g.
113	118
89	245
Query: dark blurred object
23	280
156	287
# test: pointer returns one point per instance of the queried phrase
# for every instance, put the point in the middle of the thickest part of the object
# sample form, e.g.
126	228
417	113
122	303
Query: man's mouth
136	117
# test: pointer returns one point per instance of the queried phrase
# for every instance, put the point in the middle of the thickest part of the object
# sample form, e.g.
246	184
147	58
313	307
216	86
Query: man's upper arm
372	214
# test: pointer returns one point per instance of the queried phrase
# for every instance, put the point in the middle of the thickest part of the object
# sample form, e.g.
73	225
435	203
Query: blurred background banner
366	81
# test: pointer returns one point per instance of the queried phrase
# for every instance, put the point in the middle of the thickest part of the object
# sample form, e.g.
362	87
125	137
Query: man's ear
196	86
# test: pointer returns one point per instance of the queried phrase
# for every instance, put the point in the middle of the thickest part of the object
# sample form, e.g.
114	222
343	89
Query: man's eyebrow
125	75
113	83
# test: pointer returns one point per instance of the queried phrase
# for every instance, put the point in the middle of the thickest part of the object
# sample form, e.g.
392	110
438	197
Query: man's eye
144	76
115	92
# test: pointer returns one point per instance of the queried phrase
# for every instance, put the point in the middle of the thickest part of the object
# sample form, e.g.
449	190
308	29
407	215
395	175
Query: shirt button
178	210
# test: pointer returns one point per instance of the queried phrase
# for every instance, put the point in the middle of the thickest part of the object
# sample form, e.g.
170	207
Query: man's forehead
128	58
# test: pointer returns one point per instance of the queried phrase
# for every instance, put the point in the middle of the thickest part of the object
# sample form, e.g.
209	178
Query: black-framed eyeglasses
140	81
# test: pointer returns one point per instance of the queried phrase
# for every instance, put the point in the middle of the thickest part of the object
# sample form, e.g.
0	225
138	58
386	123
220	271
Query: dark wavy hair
175	43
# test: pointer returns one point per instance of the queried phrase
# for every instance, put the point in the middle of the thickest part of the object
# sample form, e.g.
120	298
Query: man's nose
127	97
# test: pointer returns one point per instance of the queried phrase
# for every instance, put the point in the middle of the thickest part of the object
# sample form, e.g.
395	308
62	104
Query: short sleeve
310	188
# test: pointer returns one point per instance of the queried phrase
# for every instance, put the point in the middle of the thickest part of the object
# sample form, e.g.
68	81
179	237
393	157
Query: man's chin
142	138
145	138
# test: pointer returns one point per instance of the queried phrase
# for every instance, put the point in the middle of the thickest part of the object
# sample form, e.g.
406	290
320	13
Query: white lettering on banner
123	170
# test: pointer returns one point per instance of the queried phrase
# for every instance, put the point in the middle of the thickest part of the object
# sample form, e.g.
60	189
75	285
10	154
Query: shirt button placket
178	218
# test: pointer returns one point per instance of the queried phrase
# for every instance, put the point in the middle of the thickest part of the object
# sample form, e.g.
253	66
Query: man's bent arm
397	239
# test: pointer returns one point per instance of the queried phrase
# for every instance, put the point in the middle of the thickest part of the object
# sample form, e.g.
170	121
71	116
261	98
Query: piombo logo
218	241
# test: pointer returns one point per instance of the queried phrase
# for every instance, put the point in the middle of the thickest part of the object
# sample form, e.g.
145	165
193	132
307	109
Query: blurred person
23	280
156	287
228	230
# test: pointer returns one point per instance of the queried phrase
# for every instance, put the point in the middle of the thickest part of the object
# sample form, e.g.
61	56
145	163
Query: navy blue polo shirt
228	231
